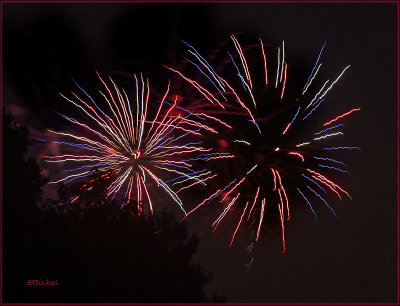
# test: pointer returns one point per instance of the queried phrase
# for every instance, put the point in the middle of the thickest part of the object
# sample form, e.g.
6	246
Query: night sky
349	259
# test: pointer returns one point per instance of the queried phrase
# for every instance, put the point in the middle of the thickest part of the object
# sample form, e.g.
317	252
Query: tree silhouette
101	254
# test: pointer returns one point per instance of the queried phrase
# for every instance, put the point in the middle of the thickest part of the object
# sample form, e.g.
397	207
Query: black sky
352	259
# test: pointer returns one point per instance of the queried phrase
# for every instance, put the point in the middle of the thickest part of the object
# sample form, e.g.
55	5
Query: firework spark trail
277	68
335	168
238	72
197	173
335	186
265	62
302	144
195	183
327	129
159	109
240	102
202	90
297	154
208	67
284	82
124	150
343	148
334	82
261	218
254	203
312	75
243	60
341	116
243	92
315	107
282	61
273	172
329	159
316	96
312	79
280	206
212	82
216	223
281	188
238	225
215	119
313	181
328	89
161	128
286	129
309	204
204	61
243	141
327	183
201	204
108	128
251	94
240	182
326	203
193	176
210	198
328	135
291	122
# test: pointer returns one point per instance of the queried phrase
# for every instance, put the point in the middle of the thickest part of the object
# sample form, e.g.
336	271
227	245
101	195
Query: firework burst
131	148
277	156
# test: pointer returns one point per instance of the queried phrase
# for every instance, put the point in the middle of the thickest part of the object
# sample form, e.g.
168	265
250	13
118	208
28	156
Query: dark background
349	259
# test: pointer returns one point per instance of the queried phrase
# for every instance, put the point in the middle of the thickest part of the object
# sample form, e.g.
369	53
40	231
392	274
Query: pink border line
197	1
204	1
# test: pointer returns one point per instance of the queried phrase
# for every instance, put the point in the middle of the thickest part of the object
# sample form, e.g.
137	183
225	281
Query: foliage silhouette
100	254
